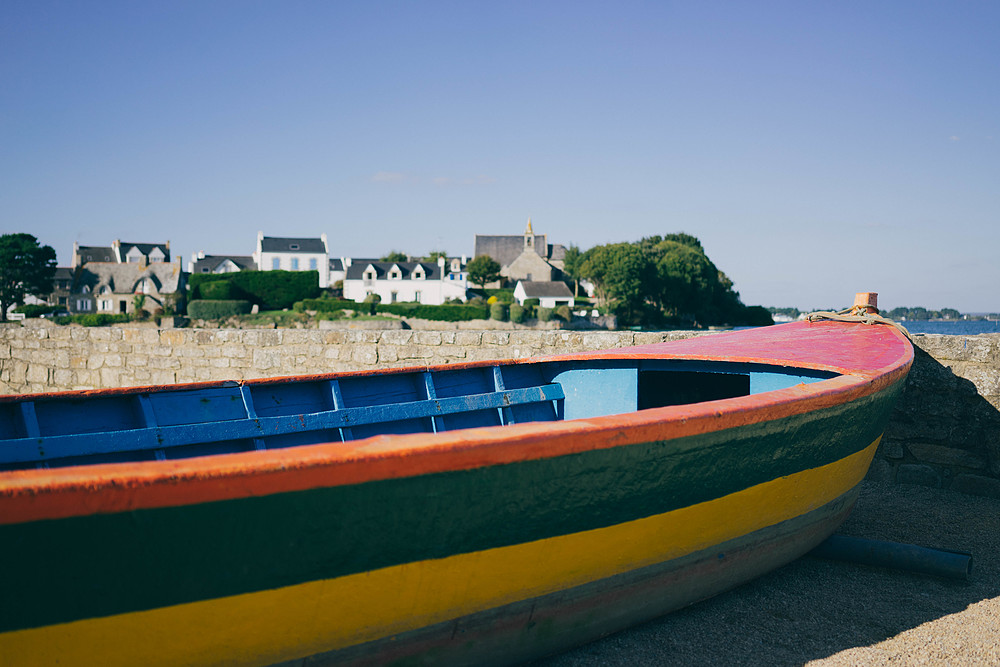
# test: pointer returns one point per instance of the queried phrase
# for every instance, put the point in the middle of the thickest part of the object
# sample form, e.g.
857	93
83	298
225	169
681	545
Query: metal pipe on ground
907	557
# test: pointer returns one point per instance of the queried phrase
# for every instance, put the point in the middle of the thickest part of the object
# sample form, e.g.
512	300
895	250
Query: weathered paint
167	545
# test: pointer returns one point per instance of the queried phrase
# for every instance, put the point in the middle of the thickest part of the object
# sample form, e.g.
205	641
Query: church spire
527	230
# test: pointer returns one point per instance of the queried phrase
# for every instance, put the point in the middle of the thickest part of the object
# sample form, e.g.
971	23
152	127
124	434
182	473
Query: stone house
124	288
550	294
428	283
527	256
107	279
293	254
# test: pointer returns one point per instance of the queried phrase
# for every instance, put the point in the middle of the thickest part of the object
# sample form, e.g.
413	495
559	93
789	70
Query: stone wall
945	430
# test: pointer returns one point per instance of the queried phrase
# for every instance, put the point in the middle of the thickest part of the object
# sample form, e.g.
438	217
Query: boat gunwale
35	494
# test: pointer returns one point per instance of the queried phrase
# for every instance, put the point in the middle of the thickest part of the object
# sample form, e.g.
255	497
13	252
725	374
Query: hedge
544	314
207	309
444	313
94	319
517	313
270	290
37	310
498	311
325	305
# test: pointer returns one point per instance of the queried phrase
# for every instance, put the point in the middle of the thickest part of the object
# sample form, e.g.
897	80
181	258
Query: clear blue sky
816	148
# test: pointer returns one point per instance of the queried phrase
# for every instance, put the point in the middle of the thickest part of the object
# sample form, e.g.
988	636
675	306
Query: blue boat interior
166	423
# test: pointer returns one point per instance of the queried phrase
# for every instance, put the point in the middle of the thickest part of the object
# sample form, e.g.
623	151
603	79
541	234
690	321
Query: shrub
205	309
36	310
493	299
517	313
562	312
94	319
271	290
544	314
532	302
445	313
324	305
498	311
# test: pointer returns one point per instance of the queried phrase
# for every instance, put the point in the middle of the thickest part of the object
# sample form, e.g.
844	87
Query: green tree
395	256
620	273
433	255
25	268
483	269
571	267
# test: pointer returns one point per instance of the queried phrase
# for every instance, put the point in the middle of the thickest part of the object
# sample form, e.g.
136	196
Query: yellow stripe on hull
315	617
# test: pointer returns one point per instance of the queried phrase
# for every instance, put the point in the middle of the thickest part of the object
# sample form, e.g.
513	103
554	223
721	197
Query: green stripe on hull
85	567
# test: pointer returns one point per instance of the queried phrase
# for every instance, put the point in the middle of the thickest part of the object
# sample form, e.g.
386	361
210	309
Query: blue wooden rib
30	421
436	422
258	443
149	420
18	450
338	404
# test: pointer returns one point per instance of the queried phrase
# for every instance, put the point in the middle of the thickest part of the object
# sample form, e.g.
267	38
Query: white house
287	254
549	294
428	283
202	263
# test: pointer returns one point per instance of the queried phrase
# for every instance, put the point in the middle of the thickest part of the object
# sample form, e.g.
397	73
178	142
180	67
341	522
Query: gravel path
824	613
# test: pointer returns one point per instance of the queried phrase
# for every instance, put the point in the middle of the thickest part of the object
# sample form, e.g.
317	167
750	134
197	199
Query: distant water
952	327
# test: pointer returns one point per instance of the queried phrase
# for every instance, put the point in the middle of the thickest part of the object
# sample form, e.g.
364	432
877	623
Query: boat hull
485	545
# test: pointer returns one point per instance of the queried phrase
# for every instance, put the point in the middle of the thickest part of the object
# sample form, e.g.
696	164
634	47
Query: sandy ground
825	613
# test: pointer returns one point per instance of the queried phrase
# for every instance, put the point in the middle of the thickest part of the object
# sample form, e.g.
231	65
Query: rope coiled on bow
855	314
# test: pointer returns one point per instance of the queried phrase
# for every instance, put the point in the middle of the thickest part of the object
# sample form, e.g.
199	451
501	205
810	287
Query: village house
120	278
550	294
293	254
527	256
202	263
429	283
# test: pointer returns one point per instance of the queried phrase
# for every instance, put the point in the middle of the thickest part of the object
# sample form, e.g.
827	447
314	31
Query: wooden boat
469	514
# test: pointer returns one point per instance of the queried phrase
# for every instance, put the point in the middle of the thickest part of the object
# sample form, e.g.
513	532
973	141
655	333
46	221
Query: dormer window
395	273
418	273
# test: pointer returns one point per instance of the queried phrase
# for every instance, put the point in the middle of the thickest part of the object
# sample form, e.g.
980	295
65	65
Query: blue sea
952	327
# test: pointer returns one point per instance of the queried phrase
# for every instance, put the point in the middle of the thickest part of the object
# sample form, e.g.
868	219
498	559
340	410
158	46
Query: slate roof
539	289
505	249
122	278
209	263
92	253
336	264
145	249
357	269
278	244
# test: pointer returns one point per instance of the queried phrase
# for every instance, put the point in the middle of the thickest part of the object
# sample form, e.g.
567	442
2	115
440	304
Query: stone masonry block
426	337
496	338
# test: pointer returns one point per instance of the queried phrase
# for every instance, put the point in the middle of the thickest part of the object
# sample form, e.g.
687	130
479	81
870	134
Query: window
83	304
417	296
276	263
295	263
529	278
395	275
293	246
393	297
312	264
